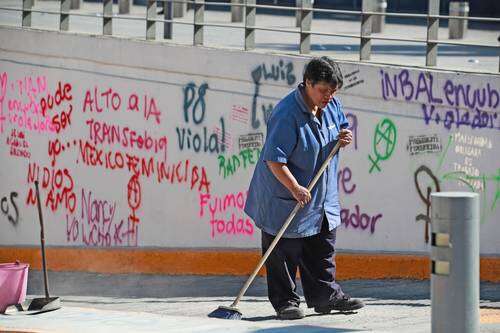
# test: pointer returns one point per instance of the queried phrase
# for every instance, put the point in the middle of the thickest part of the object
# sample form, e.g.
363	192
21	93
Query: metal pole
26	20
455	262
365	47
123	6
150	23
298	15
107	17
236	11
305	27
64	15
249	24
378	21
75	4
432	33
168	15
457	29
179	8
42	240
199	12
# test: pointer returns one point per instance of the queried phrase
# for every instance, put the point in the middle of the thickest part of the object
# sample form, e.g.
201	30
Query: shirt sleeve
343	122
281	138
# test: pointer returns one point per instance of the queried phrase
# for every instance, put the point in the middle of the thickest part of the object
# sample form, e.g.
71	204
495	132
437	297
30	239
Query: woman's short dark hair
323	69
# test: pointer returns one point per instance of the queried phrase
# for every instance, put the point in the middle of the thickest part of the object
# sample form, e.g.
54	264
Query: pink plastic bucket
13	283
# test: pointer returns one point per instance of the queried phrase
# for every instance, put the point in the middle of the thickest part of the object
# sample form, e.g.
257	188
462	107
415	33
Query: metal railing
304	13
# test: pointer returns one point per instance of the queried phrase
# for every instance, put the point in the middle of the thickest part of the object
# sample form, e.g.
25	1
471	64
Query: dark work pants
315	258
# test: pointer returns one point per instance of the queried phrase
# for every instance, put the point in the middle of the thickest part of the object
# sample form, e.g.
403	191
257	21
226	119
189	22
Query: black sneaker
344	304
290	312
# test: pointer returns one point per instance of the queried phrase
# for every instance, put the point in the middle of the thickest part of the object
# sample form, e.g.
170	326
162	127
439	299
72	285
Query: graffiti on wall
19	104
280	72
225	214
97	223
352	80
426	183
466	174
9	207
18	143
195	134
384	142
106	145
119	159
471	148
355	217
453	105
229	165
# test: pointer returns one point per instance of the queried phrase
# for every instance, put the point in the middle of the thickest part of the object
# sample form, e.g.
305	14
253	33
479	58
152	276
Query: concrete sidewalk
153	303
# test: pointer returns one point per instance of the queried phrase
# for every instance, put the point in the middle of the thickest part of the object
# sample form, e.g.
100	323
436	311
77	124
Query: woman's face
320	93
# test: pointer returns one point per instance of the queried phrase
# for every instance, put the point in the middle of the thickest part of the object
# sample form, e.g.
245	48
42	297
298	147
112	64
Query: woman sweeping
302	130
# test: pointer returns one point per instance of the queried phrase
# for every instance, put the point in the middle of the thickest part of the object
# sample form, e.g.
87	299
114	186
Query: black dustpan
42	304
35	306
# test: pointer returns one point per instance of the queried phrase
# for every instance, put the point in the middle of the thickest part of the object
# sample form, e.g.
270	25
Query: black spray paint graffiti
352	80
194	111
279	72
424	189
5	207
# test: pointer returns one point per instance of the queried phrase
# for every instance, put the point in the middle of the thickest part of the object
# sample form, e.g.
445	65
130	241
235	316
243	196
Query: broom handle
285	225
42	238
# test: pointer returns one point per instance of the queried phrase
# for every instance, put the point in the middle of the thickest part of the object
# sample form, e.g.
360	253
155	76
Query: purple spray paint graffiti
451	105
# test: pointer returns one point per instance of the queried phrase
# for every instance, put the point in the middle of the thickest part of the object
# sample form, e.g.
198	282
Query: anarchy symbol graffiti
384	142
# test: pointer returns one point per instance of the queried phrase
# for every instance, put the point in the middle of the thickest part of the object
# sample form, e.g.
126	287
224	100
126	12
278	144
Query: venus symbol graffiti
384	142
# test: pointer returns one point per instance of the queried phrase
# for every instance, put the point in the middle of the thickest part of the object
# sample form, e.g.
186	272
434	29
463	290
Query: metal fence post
432	33
123	6
455	262
168	15
64	15
199	13
236	11
378	21
298	15
365	47
249	24
107	17
305	27
150	20
457	29
179	8
26	20
75	4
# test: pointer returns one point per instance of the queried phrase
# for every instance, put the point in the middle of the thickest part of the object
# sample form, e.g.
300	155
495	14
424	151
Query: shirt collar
300	98
303	105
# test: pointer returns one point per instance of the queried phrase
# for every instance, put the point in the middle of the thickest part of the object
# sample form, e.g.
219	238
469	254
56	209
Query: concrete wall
191	122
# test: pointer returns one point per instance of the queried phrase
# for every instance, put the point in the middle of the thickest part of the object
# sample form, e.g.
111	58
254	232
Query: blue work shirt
302	141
